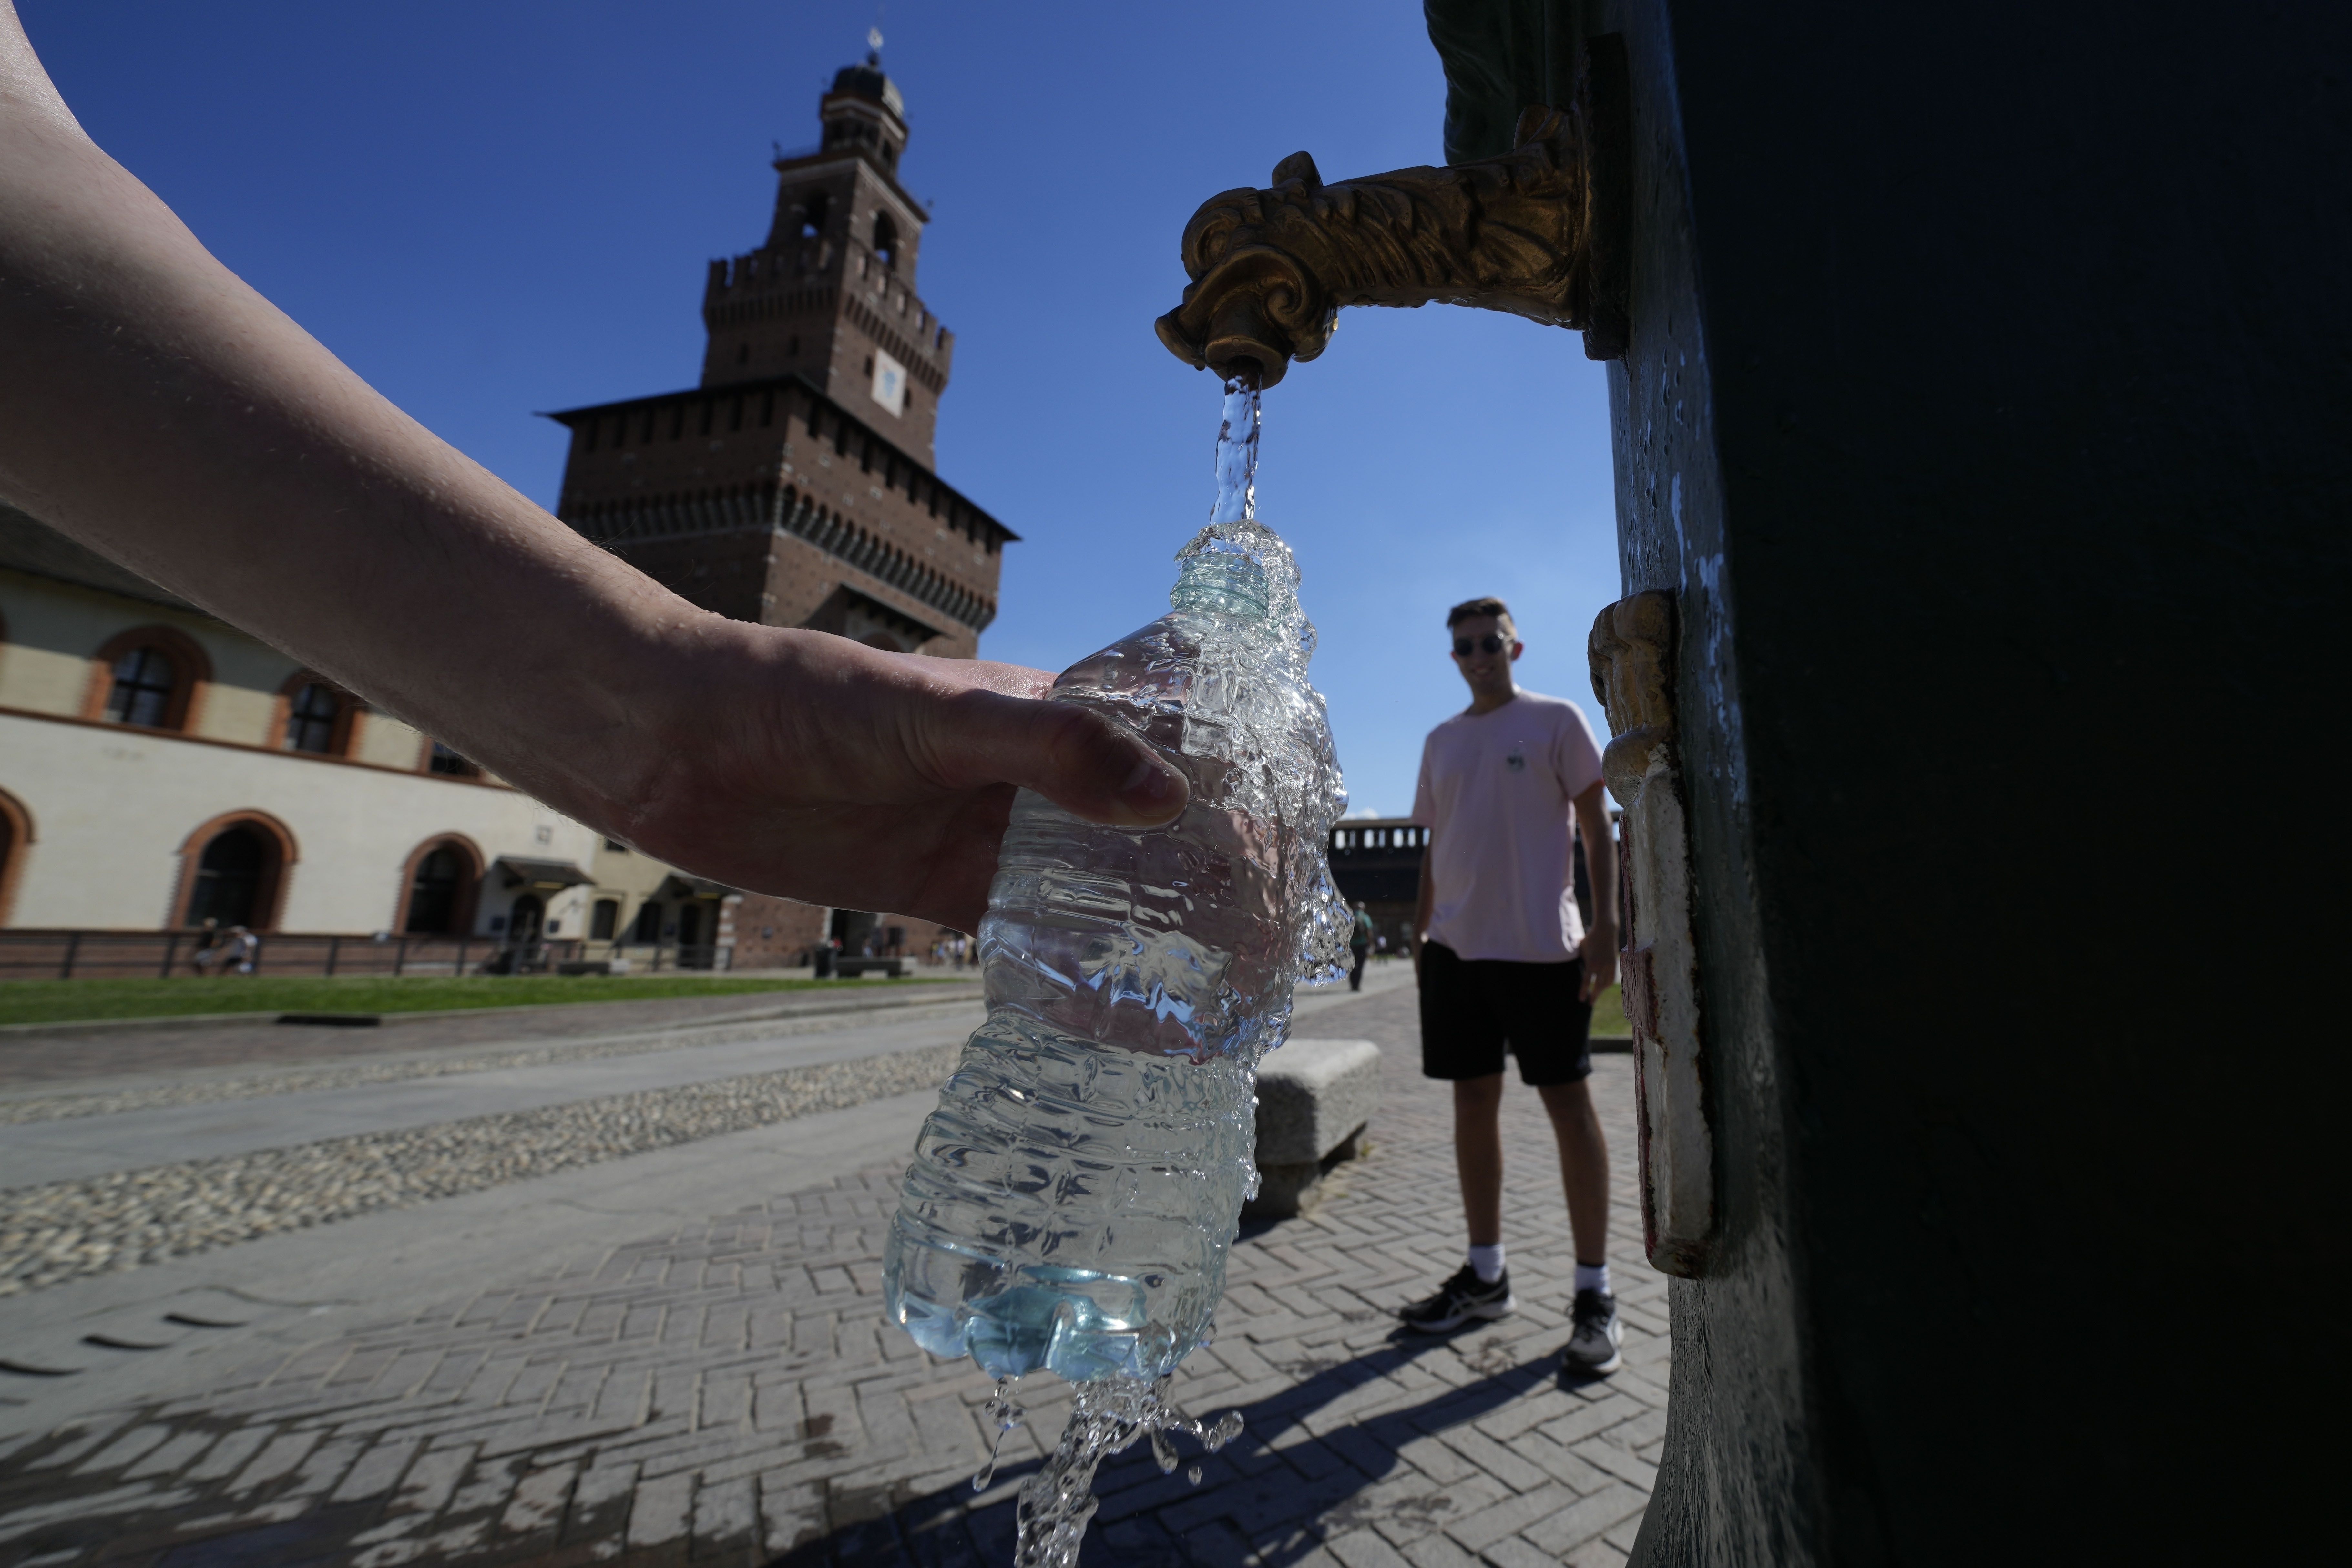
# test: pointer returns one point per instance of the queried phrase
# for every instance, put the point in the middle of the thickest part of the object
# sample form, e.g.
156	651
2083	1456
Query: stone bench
1314	1098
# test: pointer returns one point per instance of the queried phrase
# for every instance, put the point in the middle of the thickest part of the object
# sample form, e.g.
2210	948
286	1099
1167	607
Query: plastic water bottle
1072	1201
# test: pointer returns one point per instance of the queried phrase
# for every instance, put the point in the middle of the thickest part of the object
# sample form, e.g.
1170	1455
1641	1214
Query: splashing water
1107	1417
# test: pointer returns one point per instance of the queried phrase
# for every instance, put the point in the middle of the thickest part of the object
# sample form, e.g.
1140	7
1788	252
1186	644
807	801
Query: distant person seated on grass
1503	961
208	952
236	955
159	411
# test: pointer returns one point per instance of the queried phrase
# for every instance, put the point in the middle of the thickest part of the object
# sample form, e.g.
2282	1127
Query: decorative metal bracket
1540	231
1632	653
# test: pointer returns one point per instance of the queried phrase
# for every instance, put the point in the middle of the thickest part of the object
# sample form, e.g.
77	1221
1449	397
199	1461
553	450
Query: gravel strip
295	1080
62	1230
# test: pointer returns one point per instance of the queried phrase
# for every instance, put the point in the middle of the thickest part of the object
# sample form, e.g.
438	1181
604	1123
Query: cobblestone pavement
42	1056
727	1393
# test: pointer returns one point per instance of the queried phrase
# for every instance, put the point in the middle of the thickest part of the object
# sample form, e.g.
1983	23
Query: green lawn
1609	1013
58	1001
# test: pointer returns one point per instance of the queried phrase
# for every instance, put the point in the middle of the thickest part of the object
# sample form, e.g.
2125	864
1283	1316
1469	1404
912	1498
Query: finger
1079	760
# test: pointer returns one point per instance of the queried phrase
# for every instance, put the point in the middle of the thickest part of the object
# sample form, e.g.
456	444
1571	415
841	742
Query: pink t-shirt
1495	793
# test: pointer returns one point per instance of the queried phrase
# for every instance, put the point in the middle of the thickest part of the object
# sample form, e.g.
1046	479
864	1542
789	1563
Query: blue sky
508	205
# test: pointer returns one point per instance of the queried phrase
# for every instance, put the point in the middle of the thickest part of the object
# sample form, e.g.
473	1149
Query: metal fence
116	954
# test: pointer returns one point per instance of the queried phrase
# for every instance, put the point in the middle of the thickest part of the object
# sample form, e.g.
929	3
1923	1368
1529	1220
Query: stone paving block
1594	1554
536	1505
228	1456
168	1458
278	1458
1602	1454
1438	1551
1513	1552
1493	1458
1615	1411
1584	1520
1510	1514
119	1454
433	1479
662	1510
376	1471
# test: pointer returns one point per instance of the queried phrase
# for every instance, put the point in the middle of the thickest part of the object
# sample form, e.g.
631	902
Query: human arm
1600	948
163	414
1424	905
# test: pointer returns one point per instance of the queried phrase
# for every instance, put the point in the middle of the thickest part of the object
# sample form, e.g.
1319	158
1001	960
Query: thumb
1079	760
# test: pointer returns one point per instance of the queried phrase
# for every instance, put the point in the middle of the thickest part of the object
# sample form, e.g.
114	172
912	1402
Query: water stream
1109	1414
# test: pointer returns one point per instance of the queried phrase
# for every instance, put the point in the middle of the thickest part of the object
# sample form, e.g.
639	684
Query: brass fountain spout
1538	231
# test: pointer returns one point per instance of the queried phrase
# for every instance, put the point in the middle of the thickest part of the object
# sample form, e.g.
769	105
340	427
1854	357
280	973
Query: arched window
153	677
145	681
433	896
311	718
813	211
885	240
437	888
229	878
16	833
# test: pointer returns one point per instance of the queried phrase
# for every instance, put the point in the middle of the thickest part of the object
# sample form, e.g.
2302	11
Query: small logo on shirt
1515	762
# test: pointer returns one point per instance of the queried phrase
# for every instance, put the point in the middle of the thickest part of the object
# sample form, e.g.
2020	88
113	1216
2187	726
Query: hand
1599	954
810	767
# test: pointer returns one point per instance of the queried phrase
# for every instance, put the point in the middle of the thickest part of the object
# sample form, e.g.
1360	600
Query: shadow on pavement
1287	1504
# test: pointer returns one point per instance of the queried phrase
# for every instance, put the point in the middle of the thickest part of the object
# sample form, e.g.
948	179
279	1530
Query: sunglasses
1491	643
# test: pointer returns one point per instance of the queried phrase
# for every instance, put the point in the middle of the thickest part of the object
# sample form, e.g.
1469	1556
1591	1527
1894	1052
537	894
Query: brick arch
192	664
16	835
461	917
350	715
269	896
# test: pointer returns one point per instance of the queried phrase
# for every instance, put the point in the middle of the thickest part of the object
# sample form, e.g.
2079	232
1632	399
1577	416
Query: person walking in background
1360	945
1502	959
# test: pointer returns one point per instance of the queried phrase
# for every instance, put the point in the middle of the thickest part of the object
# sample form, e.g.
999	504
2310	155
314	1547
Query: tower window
813	211
885	240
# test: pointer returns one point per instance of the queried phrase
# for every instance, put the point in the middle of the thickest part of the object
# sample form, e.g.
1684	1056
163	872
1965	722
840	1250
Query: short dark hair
1487	606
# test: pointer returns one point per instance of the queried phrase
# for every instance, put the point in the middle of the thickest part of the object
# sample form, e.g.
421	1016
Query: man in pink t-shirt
1504	960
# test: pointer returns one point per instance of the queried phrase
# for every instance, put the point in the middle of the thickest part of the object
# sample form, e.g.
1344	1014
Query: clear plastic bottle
1072	1201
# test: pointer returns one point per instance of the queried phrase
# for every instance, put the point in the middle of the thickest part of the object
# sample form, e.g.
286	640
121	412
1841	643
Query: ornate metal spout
1537	231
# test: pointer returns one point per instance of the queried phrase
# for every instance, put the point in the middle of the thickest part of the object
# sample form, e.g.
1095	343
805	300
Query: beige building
160	769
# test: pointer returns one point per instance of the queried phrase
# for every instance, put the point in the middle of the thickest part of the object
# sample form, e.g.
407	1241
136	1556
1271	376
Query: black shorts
1470	1007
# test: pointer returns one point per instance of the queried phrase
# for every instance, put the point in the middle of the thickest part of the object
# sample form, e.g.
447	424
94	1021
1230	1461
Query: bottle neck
1229	585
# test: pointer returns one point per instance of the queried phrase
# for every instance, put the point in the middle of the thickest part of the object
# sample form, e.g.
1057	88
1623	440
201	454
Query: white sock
1592	1277
1486	1262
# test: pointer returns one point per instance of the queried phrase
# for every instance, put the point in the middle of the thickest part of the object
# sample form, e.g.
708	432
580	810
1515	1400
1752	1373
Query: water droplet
1193	1474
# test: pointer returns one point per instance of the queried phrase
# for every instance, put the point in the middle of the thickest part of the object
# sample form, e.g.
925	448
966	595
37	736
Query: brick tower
794	486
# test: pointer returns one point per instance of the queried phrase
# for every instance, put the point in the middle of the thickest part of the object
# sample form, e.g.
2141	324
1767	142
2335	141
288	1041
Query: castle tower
794	486
831	294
